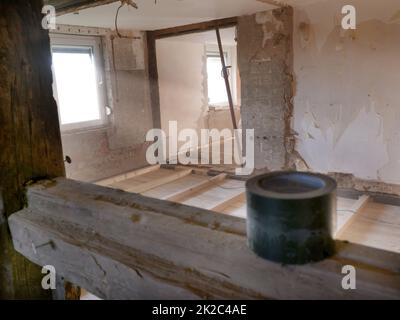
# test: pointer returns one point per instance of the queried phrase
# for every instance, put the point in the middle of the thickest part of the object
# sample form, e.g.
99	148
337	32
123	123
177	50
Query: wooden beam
126	246
70	6
65	290
128	175
191	191
276	3
146	186
355	208
153	79
195	27
227	202
30	137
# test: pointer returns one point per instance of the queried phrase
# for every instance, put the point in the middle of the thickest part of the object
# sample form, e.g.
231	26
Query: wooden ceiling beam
70	6
195	27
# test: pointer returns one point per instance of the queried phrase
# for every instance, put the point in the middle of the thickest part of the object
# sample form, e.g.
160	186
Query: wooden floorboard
216	195
377	226
151	180
169	189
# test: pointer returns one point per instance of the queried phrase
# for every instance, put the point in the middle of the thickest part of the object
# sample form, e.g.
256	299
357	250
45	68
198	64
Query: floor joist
151	184
355	208
128	175
361	221
191	191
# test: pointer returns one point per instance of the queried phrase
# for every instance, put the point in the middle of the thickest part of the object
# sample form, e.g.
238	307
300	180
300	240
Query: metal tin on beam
291	216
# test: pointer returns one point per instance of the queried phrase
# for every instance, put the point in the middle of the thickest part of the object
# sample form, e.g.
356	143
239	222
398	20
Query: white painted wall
347	98
182	83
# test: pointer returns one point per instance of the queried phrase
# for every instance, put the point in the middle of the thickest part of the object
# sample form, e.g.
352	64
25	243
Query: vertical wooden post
66	290
153	78
30	142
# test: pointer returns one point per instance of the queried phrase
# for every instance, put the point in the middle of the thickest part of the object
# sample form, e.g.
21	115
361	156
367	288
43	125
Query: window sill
103	127
222	108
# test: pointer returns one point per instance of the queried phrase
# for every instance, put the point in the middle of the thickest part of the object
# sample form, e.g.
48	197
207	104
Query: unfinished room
199	150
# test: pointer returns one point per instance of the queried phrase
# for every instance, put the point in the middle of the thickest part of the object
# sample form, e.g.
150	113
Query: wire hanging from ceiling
123	3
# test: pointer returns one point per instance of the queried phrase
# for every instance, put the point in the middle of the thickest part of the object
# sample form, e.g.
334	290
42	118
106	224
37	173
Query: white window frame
69	41
230	60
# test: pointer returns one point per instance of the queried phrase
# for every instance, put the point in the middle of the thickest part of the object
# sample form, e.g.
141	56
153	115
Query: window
216	84
78	86
217	96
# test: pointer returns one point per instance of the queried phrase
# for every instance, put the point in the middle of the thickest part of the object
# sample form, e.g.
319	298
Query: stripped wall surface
265	65
120	145
335	110
346	106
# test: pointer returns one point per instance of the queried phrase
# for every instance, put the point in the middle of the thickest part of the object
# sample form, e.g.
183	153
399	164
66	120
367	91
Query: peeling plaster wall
265	66
347	101
120	145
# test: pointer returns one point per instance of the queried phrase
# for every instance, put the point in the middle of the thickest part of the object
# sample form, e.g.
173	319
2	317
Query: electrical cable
116	19
123	3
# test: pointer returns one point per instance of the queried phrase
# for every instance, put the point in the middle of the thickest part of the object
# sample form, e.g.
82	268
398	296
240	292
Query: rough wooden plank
153	79
173	187
377	225
128	175
194	27
120	245
69	6
217	194
65	290
355	208
30	136
237	210
238	198
191	191
151	180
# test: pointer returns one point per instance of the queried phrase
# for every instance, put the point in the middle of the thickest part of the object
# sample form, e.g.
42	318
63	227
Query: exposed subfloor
359	221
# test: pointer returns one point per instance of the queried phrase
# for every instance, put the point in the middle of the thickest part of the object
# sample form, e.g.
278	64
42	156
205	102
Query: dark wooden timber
153	79
30	139
69	6
195	27
120	245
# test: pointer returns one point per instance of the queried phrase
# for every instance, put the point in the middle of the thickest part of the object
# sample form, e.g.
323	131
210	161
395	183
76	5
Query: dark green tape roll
291	216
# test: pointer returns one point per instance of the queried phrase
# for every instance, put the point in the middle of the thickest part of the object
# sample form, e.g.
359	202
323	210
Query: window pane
216	83
76	83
